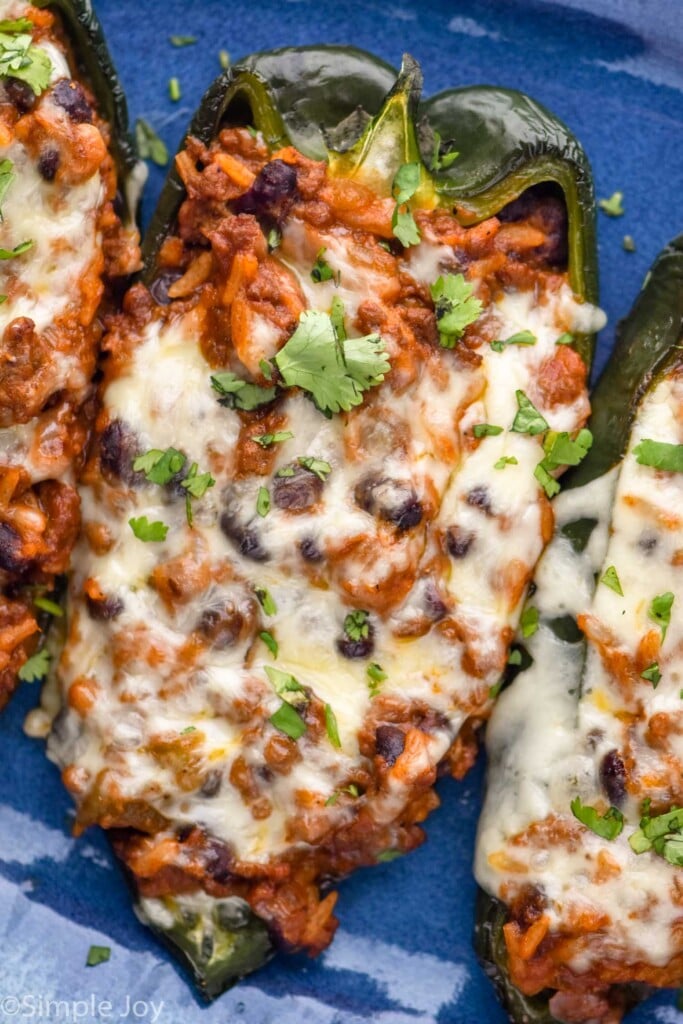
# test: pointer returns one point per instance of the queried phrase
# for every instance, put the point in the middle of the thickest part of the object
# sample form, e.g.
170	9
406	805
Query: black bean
434	604
245	538
391	500
20	94
222	626
105	608
458	543
212	783
647	543
298	492
613	777
11	556
48	164
389	742
217	860
119	448
479	497
271	193
356	649
160	285
310	550
71	97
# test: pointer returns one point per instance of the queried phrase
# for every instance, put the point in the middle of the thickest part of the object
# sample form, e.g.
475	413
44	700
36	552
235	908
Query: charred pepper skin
648	344
331	103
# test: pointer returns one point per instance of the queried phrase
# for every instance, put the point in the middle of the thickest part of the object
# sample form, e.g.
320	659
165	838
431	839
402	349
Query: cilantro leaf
266	600
659	455
20	59
377	676
662	833
404	227
565	339
6	178
195	483
288	720
159	466
150	146
98	955
486	430
263	502
608	825
520	338
611	579
406	183
322	271
505	460
144	530
386	856
240	394
266	440
528	419
174	93
335	375
319	467
36	667
9	254
442	161
51	607
613	206
270	642
332	727
547	482
337	318
652	674
660	611
529	621
182	40
356	625
515	658
561	450
455	307
286	685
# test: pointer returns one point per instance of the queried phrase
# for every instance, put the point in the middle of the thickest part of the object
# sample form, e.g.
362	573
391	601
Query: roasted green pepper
648	346
367	120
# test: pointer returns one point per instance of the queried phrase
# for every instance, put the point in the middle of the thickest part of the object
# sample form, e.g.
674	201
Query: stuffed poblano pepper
66	237
580	846
318	488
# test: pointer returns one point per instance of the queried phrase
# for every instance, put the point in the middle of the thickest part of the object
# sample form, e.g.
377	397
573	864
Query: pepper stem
390	139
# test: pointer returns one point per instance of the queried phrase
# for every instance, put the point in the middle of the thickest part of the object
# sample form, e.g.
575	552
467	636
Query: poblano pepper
347	107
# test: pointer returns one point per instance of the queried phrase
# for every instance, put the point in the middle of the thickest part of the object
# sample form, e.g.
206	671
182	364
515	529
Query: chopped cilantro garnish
187	730
652	674
565	339
98	955
377	676
332	727
224	59
196	485
613	206
240	394
662	833
505	460
266	600
150	146
442	161
515	658
144	530
335	374
159	466
404	186
288	720
19	58
386	856
273	238
270	642
547	482
660	455
497	687
529	621
322	271
9	254
174	89
455	307
610	578
528	419
263	502
337	318
319	467
486	430
6	179
561	450
356	625
520	338
286	471
36	667
266	440
628	244
182	40
286	685
607	825
51	607
660	611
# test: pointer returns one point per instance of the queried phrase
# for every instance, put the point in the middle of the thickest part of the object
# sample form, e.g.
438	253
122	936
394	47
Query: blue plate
613	69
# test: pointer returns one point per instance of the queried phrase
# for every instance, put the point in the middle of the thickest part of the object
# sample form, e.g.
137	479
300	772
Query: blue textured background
403	952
